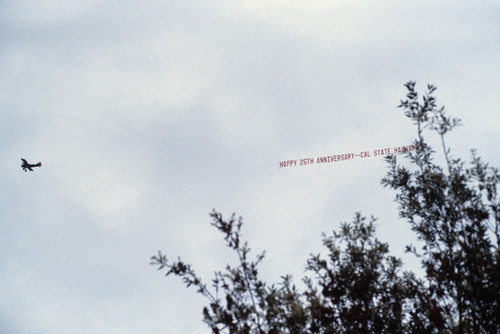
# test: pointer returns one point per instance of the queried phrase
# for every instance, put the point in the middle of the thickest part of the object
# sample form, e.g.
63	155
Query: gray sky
148	114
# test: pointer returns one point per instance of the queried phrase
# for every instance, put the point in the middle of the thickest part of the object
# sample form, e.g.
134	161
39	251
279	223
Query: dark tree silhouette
455	213
359	287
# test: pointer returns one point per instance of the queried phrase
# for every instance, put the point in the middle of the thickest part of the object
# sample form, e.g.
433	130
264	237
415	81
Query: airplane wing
24	161
29	167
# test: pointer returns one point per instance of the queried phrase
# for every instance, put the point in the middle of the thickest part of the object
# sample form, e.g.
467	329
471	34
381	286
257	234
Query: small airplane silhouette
26	165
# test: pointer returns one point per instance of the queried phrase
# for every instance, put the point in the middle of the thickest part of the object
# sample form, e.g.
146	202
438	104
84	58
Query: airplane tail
39	164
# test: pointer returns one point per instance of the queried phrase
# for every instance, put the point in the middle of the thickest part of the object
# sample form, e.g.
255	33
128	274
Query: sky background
146	115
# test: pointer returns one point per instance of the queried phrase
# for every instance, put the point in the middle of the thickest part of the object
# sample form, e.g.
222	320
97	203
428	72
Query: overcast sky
146	115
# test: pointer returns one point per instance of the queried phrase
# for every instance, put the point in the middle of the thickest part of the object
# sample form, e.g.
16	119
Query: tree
455	213
359	287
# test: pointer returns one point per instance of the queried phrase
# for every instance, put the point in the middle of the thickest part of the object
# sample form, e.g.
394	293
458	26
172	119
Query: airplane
26	165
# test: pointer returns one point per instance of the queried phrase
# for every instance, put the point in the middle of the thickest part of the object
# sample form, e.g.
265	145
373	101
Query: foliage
359	287
454	211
